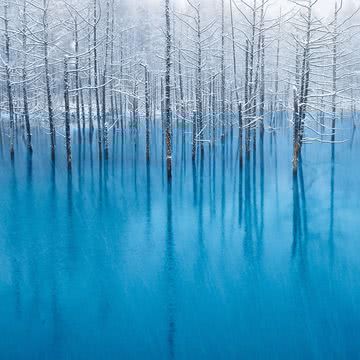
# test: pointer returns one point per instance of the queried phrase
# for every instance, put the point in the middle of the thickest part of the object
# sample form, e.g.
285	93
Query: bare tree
168	90
8	79
25	77
105	69
45	23
67	114
96	81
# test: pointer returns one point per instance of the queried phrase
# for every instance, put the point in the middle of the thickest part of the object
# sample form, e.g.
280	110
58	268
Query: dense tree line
103	65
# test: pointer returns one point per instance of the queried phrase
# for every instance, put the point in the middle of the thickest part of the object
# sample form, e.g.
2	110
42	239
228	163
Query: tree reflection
300	227
332	189
170	272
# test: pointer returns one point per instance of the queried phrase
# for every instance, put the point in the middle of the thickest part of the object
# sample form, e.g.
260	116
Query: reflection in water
276	175
148	194
170	272
223	200
213	182
248	239
240	194
262	188
201	204
2	152
84	273
194	182
332	191
16	247
300	227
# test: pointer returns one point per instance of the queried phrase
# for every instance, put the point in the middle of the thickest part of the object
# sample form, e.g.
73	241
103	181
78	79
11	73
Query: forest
179	179
98	68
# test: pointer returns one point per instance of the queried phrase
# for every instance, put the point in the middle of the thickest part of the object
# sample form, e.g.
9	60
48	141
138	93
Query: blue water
226	263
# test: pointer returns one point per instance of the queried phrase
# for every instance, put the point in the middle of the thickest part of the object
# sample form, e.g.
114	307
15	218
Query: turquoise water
226	263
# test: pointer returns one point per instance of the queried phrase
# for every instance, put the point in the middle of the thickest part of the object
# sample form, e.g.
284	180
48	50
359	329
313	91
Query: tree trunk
223	91
168	92
47	80
77	79
334	73
67	114
24	79
147	110
104	121
96	82
91	124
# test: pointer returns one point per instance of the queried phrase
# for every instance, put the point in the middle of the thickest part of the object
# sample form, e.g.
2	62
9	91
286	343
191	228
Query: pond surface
226	263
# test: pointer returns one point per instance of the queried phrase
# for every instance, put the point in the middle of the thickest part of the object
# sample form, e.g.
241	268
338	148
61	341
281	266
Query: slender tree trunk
262	73
251	61
77	79
83	117
96	82
104	121
121	97
234	52
147	110
112	96
213	109
8	81
24	79
301	103
240	133
334	73
67	114
47	79
193	152
91	124
262	88
199	103
168	92
223	85
296	136
182	99
247	101
276	90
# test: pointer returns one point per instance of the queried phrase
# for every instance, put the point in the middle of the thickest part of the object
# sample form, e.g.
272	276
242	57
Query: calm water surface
113	263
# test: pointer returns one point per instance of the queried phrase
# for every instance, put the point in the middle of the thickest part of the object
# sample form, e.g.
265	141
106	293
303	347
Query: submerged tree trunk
91	124
262	72
262	88
121	97
147	113
296	135
247	100
96	82
47	79
193	152
181	89
276	90
8	81
240	133
77	78
213	110
83	117
24	79
67	114
251	64
234	53
104	121
334	72
300	101
199	102
168	92
222	71
112	95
